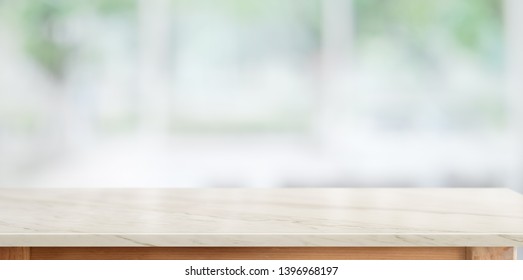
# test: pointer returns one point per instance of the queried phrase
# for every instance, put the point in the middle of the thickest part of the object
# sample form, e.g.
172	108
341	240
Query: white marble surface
261	217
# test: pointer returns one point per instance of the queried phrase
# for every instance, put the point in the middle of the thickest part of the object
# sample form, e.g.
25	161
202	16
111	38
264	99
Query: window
258	93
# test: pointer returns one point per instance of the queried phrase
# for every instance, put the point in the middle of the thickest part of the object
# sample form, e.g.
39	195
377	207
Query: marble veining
261	217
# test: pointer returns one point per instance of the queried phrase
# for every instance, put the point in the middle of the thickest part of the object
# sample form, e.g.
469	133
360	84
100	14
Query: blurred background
273	93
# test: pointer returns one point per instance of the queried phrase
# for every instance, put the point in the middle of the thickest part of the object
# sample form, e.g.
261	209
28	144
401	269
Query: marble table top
261	217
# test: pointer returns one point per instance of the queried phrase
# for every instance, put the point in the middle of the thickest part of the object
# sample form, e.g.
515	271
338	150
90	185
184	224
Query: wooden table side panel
248	253
15	253
491	253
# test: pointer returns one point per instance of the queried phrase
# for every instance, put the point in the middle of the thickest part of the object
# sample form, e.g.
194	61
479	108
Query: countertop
261	217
